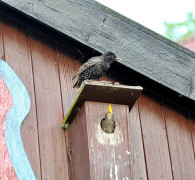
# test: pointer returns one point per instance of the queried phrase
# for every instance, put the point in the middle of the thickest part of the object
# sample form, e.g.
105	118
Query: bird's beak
118	59
110	109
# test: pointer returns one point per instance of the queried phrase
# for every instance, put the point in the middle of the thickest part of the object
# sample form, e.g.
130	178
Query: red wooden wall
162	136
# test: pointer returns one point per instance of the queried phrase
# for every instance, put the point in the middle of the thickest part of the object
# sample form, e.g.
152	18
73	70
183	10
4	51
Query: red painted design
6	168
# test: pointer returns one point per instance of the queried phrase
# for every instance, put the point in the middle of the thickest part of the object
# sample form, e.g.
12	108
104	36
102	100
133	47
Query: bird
95	68
107	123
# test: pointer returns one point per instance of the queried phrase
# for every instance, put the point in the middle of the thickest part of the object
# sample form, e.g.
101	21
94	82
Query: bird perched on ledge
95	68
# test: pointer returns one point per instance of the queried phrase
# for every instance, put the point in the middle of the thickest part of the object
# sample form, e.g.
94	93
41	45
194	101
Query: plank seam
33	79
163	114
190	126
65	132
1	26
142	139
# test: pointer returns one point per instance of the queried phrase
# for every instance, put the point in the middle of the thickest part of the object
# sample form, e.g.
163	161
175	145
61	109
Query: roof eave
93	25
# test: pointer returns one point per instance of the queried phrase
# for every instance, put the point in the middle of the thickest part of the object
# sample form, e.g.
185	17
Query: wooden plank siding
180	142
137	159
191	117
17	55
154	138
162	136
49	109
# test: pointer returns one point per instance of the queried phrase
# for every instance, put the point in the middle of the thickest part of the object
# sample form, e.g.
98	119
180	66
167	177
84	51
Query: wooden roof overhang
89	28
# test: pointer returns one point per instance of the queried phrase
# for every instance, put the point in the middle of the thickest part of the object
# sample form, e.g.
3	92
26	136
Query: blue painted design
13	121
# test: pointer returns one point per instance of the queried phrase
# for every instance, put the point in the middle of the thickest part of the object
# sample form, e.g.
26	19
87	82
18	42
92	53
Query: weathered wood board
102	92
49	109
137	159
154	138
180	141
95	154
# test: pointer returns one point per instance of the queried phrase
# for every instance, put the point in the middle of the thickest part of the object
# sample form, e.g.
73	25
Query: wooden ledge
102	91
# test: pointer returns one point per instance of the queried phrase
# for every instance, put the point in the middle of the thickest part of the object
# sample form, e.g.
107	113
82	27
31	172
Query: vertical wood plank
17	55
137	166
68	66
154	137
191	117
1	40
180	143
78	146
49	109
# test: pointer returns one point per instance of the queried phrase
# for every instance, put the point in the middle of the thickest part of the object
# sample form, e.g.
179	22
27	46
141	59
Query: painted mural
14	106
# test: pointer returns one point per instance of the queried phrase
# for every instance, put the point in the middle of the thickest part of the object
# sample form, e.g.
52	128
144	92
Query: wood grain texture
17	55
102	29
1	40
137	159
78	147
49	109
154	138
68	66
159	160
180	142
191	117
109	154
96	154
98	91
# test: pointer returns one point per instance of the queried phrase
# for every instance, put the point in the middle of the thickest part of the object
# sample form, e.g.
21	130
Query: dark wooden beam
102	29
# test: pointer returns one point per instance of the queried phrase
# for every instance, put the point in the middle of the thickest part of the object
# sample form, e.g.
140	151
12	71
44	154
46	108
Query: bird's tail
79	82
76	85
74	76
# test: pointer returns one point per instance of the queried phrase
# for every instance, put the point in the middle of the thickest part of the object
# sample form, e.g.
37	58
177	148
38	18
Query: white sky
152	13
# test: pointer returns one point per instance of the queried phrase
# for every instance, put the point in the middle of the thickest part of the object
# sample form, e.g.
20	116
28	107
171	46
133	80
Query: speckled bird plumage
95	68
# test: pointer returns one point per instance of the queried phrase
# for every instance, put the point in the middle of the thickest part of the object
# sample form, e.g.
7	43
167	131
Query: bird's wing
87	64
